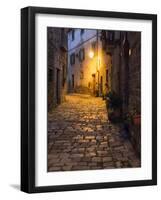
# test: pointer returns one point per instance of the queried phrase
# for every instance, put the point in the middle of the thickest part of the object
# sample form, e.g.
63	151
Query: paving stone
109	164
54	160
92	164
55	169
118	164
83	141
80	168
80	137
77	155
83	163
90	154
52	156
95	167
90	149
89	137
106	159
102	153
96	159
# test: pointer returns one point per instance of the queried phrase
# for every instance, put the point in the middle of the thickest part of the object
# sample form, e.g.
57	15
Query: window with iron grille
72	59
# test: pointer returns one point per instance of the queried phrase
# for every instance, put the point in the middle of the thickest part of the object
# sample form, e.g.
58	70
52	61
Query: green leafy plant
114	100
113	104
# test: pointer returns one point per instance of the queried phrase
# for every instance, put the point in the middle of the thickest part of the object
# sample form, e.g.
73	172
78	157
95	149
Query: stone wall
125	76
135	85
57	65
135	71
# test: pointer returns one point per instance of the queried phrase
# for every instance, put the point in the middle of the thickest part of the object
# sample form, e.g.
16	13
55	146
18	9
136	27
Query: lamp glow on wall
98	61
91	54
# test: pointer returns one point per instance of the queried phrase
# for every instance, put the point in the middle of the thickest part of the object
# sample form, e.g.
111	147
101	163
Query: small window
93	45
82	31
72	59
73	35
81	55
72	80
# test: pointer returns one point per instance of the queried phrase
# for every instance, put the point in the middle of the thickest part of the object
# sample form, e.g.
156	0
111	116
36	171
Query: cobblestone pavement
81	138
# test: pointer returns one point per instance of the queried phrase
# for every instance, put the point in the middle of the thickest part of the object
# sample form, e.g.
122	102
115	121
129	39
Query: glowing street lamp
91	54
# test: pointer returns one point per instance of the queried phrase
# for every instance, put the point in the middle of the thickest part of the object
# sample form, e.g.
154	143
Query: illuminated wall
89	74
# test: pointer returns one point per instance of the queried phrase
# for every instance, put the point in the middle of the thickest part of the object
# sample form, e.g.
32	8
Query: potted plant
113	104
125	126
136	117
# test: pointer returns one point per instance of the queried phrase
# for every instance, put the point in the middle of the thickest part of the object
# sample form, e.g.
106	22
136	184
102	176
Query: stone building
124	48
57	65
87	62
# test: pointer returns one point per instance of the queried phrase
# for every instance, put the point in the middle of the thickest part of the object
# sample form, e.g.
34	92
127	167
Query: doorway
101	85
72	81
58	86
94	83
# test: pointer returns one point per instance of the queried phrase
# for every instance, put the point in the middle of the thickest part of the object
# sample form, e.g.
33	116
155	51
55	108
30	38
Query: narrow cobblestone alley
80	137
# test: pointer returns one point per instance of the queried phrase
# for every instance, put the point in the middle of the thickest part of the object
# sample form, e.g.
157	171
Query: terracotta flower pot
137	120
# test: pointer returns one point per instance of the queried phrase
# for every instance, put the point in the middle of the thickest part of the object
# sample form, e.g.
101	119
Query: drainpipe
126	72
98	64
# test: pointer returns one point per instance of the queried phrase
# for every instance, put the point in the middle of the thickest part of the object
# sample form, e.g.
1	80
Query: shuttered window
81	55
